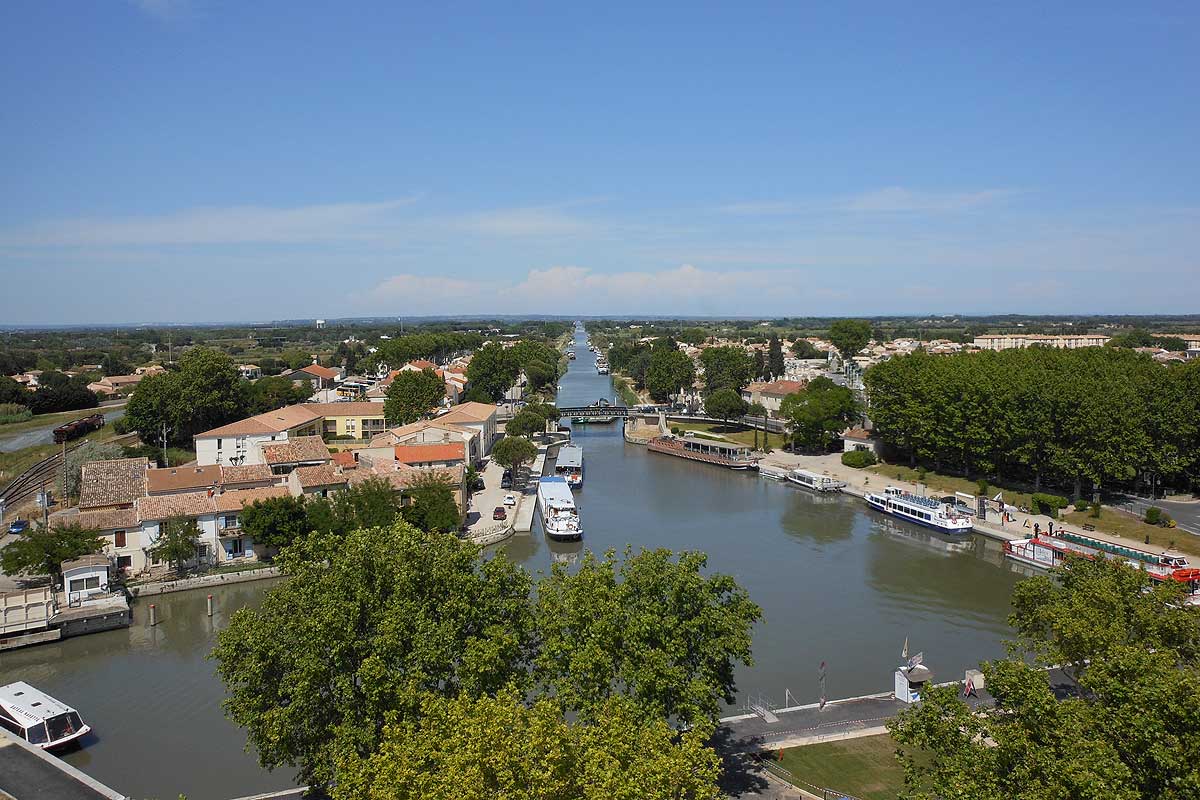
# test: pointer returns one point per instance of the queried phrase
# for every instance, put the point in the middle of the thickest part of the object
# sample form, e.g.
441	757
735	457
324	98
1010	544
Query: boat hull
703	458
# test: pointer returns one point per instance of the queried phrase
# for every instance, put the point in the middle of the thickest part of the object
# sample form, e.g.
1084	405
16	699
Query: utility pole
164	443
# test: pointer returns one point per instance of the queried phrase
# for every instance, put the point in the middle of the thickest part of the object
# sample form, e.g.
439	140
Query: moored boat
569	465
560	517
38	718
815	481
1047	551
927	511
730	455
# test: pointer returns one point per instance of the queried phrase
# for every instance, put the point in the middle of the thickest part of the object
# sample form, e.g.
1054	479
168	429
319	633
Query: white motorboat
560	517
38	718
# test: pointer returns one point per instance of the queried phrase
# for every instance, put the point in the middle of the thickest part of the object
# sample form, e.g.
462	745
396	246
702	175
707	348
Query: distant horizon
1186	319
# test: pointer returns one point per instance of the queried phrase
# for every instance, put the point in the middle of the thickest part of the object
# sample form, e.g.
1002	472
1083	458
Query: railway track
43	473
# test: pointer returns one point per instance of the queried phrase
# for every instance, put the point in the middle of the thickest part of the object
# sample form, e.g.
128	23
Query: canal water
837	583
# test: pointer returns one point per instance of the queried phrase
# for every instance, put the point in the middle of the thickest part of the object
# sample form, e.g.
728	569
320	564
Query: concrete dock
28	773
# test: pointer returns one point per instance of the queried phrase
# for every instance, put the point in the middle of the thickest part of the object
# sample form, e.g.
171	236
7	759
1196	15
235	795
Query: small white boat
560	517
38	718
814	481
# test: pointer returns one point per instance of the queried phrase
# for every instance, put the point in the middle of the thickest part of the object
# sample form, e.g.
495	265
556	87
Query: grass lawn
52	420
732	432
1124	524
625	390
949	484
865	767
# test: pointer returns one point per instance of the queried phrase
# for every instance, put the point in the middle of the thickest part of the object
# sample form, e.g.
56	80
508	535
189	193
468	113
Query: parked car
18	526
506	480
510	500
499	513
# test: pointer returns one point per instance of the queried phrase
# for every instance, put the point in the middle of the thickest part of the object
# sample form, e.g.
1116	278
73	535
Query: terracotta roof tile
425	453
321	475
293	451
236	501
471	412
172	479
856	433
325	373
277	421
246	473
108	520
112	483
189	504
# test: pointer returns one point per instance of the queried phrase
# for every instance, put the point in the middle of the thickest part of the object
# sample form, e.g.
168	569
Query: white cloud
228	225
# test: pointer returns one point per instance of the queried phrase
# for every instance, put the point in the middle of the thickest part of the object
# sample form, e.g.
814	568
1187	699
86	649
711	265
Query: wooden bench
1088	527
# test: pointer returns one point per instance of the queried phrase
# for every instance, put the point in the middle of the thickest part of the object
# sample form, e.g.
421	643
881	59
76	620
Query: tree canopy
669	371
726	367
276	521
819	412
204	393
775	364
512	451
176	542
433	506
849	336
393	658
413	394
1102	415
371	503
493	370
41	551
1132	730
802	348
725	404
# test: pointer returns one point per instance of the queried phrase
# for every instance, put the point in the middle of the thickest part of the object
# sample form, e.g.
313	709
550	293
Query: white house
84	577
239	443
859	439
476	416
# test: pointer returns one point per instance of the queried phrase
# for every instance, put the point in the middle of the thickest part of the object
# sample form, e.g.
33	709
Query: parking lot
484	501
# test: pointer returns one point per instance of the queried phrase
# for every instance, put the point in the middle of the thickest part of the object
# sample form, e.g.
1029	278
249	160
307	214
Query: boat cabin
37	717
84	577
707	447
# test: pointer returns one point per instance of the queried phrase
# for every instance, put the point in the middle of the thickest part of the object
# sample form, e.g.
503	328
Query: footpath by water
837	582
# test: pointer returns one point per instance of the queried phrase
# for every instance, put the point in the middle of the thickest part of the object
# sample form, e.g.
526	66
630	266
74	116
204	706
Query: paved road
1186	513
45	435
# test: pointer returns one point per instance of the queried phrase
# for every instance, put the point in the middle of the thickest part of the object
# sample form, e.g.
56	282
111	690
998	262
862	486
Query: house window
82	584
219	442
237	548
124	562
201	552
119	539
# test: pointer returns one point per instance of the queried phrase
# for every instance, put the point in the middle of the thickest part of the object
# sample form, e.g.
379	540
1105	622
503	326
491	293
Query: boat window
11	727
63	725
36	734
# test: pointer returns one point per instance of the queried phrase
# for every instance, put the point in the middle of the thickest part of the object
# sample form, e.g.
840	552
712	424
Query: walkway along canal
837	582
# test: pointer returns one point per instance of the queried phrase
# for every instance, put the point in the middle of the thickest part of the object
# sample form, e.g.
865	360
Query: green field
50	420
866	768
731	432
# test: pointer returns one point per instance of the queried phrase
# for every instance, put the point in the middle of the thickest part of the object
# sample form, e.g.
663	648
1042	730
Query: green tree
849	336
760	366
176	542
668	372
272	392
276	521
89	451
41	551
758	410
369	504
1131	732
412	395
492	371
653	626
205	392
725	404
819	412
726	367
527	422
802	348
433	507
499	748
513	451
775	365
366	625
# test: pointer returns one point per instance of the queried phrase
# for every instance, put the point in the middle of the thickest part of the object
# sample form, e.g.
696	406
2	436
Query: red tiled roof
301	448
468	413
277	421
428	453
856	433
117	482
324	373
345	459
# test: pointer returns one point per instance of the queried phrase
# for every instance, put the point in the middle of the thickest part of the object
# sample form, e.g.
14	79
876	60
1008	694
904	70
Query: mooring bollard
210	605
153	615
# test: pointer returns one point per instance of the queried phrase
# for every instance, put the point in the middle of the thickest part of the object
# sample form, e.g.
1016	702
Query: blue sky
195	160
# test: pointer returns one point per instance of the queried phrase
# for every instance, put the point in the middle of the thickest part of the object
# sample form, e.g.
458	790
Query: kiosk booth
910	681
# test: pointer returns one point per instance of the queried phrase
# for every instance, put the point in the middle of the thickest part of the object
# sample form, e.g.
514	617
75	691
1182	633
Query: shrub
1153	515
1095	511
1048	504
858	458
675	429
921	473
1082	505
13	412
120	426
982	485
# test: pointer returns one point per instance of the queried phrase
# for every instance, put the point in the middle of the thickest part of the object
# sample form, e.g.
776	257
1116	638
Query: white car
510	500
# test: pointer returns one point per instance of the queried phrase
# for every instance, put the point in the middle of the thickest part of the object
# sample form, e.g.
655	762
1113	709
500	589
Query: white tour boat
38	718
927	511
560	517
569	465
814	481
